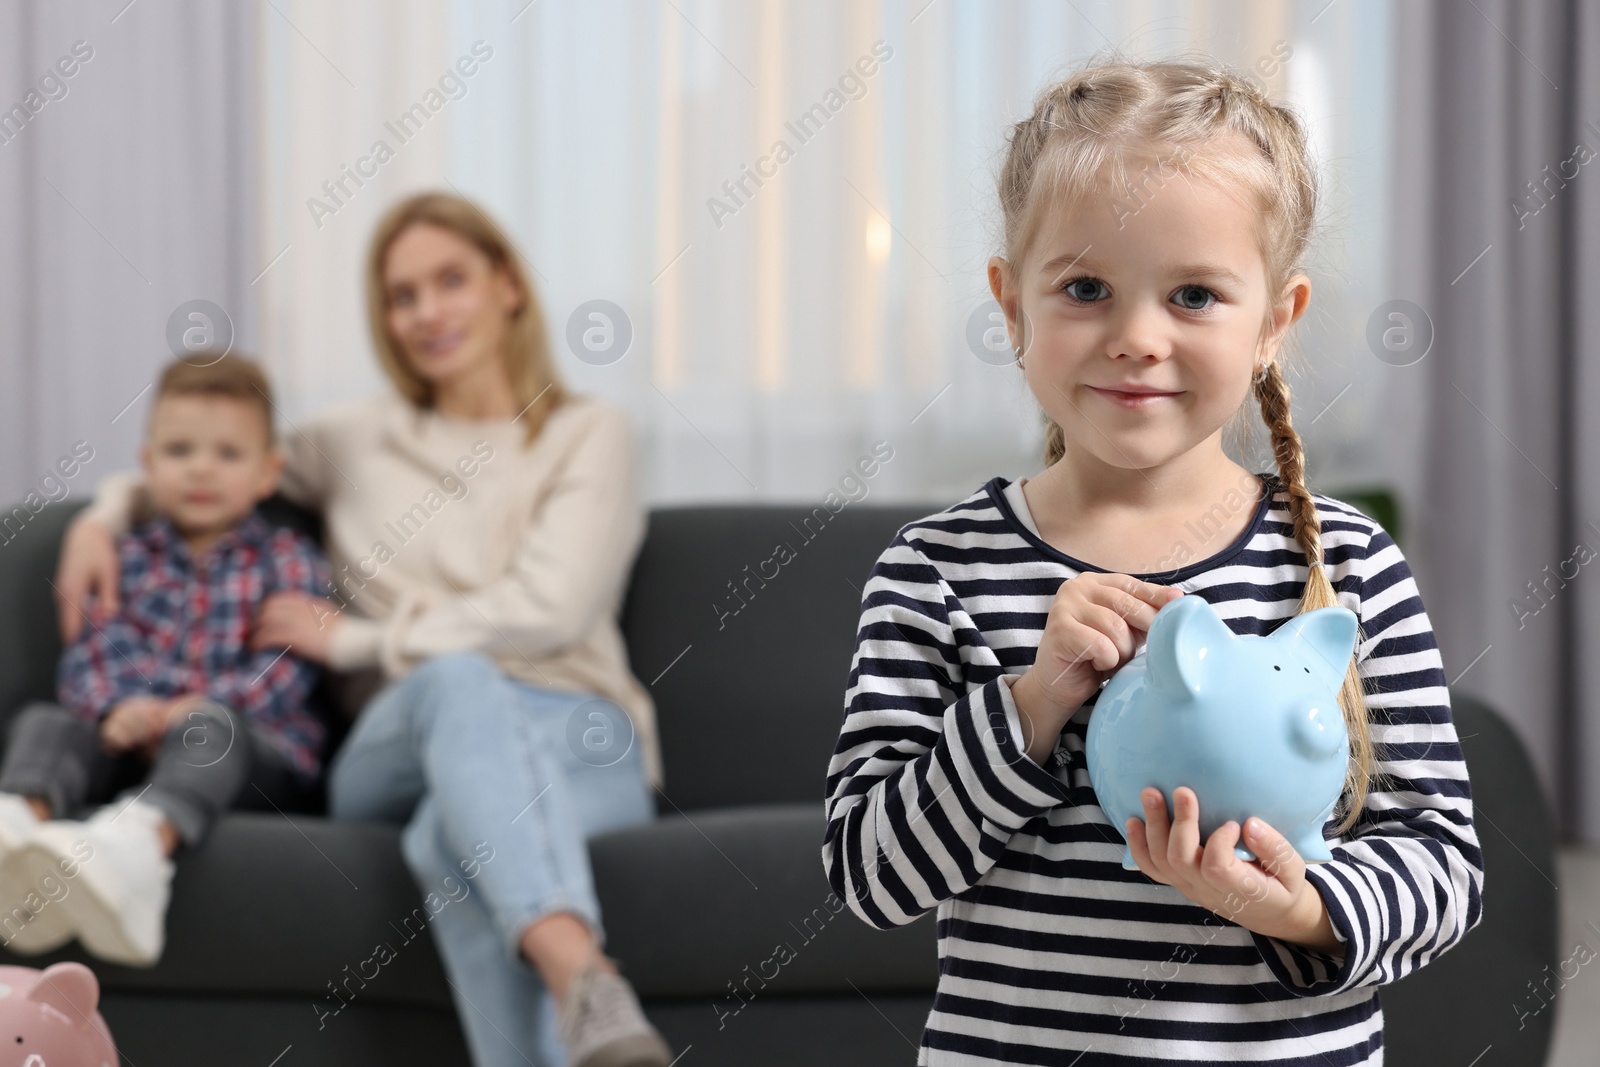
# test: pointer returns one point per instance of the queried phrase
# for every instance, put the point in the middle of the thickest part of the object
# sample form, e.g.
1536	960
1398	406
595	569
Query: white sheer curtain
777	334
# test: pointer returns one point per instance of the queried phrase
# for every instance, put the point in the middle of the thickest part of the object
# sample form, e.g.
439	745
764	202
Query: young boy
169	685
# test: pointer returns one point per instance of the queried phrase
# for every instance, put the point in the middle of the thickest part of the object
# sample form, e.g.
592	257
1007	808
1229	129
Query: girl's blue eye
1086	290
1194	297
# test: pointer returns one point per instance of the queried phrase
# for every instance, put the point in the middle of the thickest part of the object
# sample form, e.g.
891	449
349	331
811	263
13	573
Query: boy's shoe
25	930
119	902
602	1025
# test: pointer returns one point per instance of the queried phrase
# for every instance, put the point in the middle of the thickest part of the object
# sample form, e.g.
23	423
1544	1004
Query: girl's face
449	306
1163	293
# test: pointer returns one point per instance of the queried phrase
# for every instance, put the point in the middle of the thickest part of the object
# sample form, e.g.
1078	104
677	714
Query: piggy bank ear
1185	645
1323	640
70	988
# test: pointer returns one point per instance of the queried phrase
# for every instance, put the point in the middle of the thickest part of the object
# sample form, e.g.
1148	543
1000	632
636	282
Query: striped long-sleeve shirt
1049	951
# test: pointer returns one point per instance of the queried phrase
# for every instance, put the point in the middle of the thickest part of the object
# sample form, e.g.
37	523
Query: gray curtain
1495	236
127	188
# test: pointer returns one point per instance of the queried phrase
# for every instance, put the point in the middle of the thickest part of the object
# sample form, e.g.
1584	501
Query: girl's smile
1132	399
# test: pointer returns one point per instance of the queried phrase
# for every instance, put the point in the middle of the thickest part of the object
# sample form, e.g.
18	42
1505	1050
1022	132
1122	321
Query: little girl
1154	216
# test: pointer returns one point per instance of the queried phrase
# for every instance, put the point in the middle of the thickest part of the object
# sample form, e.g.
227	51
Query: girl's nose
1137	330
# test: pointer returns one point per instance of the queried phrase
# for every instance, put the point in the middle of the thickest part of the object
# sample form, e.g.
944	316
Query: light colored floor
1578	1006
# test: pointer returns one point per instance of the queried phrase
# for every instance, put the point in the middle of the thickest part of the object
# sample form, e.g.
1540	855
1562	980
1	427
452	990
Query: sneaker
118	905
25	929
602	1025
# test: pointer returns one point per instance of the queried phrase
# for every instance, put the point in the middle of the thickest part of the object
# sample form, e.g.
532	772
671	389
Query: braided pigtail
1272	391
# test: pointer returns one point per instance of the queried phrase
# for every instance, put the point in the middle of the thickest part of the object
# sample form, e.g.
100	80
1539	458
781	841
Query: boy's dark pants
208	761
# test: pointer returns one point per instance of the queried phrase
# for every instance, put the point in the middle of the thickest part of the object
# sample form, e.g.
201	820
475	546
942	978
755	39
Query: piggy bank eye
1306	669
1276	667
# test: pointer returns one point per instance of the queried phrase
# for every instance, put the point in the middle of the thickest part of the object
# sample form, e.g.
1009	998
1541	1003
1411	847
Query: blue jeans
478	764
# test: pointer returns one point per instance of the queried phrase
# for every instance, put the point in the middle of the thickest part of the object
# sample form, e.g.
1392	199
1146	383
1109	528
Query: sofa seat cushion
274	905
277	905
695	903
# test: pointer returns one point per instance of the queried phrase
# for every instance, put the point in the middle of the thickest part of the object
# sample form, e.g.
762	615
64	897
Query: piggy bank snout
1319	732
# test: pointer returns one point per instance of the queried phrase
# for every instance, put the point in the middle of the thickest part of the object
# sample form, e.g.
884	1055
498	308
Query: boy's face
208	461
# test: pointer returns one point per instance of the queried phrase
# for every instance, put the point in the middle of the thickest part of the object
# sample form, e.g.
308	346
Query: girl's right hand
1093	628
87	568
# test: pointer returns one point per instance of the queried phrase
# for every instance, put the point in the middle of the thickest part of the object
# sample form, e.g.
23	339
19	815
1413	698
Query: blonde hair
1080	139
534	383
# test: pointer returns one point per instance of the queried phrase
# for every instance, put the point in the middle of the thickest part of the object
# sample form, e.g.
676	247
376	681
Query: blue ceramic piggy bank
1251	724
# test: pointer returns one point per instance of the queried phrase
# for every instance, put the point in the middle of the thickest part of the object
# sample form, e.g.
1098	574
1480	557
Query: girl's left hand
1269	895
299	621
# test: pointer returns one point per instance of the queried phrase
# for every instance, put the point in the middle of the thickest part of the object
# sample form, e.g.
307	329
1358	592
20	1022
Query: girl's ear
999	278
144	456
1004	289
1286	311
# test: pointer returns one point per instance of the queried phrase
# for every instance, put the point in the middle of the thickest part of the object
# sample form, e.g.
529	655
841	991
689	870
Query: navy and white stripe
1050	952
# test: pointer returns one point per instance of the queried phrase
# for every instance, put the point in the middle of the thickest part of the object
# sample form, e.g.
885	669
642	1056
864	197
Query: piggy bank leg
1312	848
1244	853
1127	859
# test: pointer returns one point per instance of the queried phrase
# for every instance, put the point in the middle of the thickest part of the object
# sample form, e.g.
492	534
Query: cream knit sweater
447	534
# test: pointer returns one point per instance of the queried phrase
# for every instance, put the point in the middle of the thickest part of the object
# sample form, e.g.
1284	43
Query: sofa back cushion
741	622
30	642
749	685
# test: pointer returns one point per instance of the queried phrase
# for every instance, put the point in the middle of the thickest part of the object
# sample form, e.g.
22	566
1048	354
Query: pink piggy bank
48	1018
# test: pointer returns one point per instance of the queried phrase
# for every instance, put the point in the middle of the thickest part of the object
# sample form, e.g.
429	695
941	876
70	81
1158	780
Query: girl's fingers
1094	647
1155	826
1217	865
1133	829
1128	609
1237	882
1113	643
1151	595
1275	854
1184	840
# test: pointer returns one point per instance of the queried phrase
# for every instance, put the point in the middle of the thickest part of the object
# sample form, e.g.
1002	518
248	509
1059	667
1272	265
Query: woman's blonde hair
537	389
1081	139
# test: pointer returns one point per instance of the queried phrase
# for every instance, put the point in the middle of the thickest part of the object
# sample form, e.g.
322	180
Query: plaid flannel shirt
184	628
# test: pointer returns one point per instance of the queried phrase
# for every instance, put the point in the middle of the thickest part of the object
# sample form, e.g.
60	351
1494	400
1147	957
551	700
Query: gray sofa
277	907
